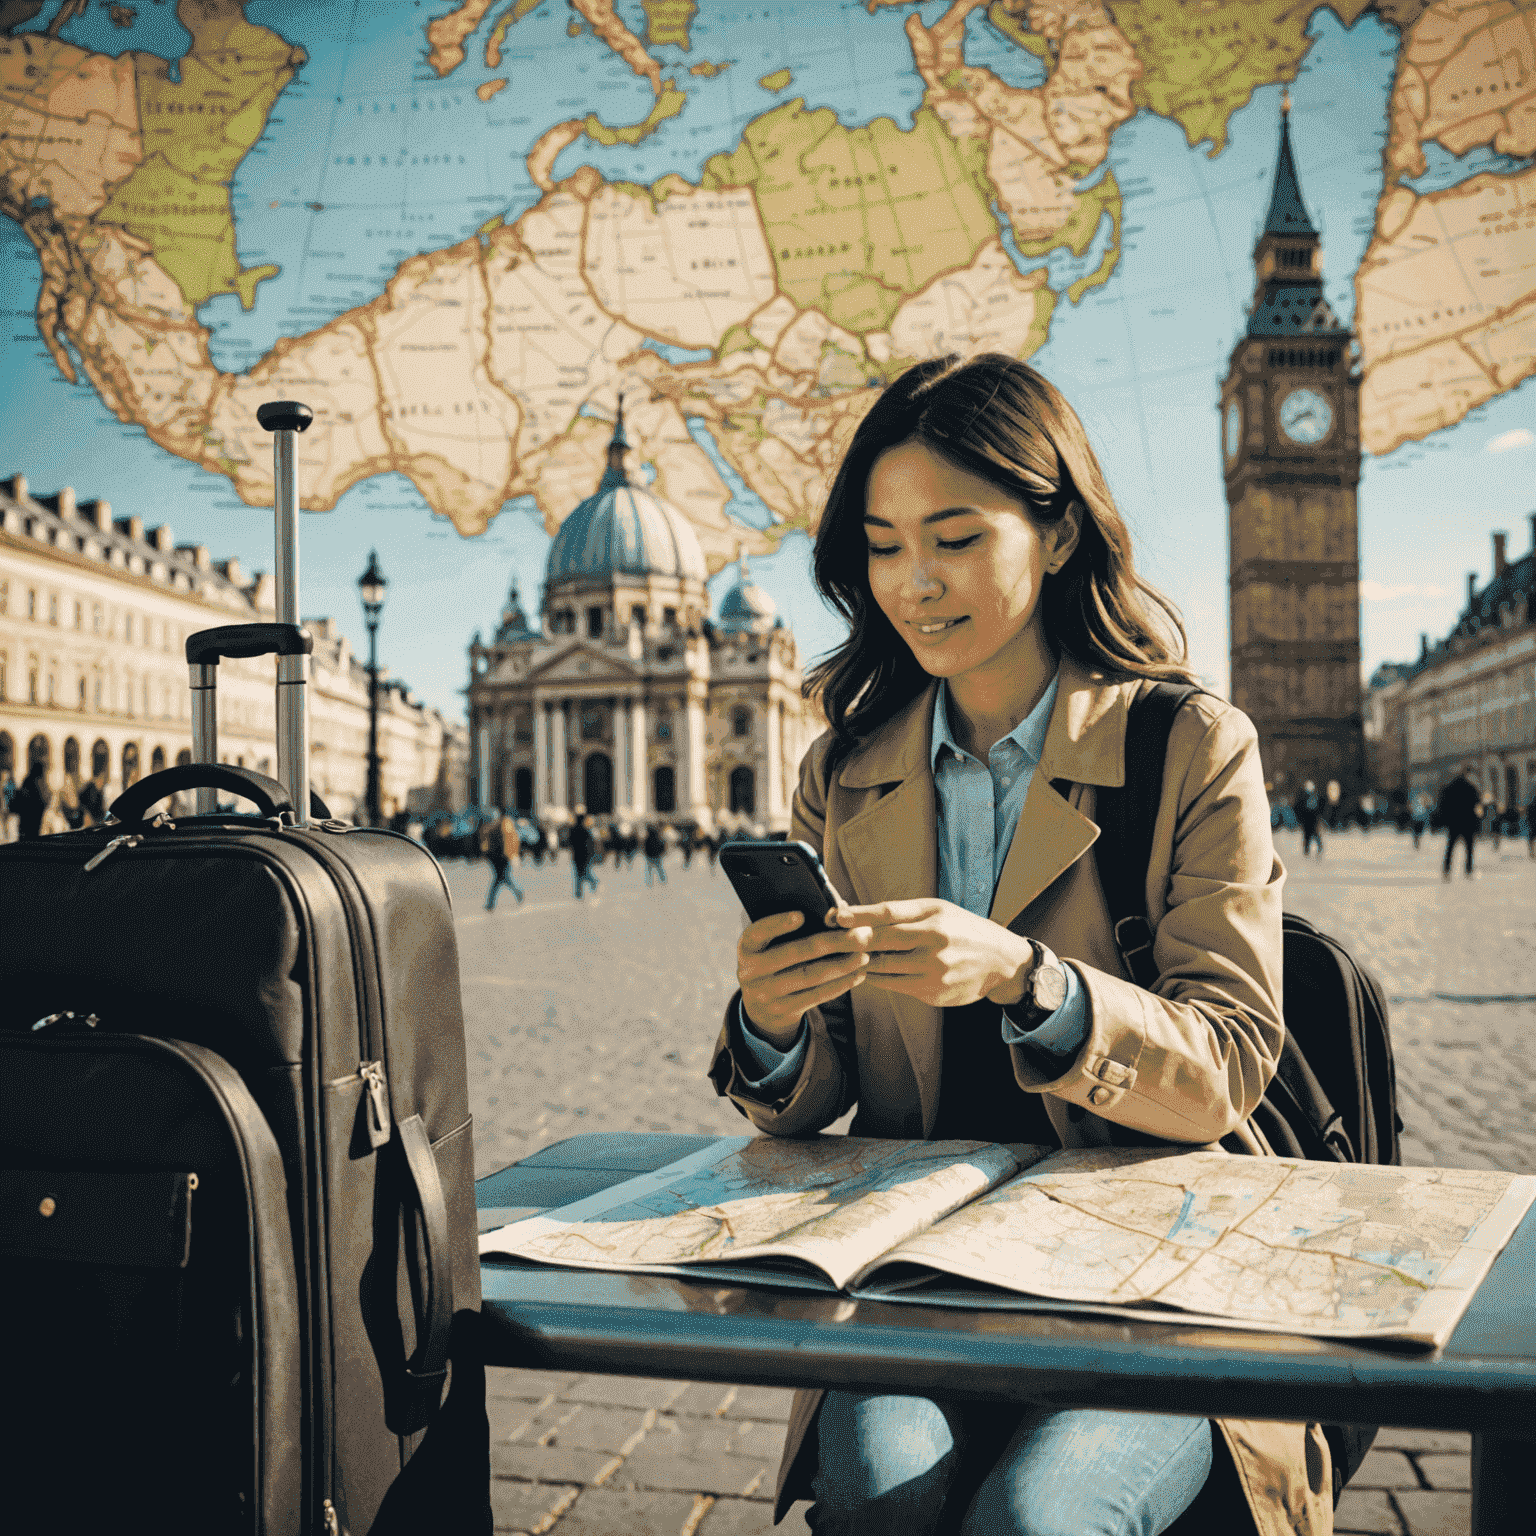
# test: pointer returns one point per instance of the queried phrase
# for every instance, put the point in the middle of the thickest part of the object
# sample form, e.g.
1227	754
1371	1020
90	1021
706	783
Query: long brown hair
999	419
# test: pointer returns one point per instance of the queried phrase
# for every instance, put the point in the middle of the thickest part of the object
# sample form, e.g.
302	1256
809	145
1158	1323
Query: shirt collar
1028	735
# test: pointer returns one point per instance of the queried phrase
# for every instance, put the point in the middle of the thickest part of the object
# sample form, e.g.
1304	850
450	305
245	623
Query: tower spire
618	446
1287	213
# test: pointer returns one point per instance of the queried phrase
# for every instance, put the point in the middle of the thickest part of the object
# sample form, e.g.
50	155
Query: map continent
750	303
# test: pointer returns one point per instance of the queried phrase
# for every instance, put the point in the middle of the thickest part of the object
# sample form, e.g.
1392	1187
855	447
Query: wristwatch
1045	990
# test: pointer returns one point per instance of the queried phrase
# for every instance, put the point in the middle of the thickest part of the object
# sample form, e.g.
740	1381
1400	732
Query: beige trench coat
1186	1062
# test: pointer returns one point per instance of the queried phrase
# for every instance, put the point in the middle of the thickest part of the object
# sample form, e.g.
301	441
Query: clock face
1305	416
1234	430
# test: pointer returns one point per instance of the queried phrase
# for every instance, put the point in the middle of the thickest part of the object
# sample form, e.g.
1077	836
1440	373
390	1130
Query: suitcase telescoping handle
285	419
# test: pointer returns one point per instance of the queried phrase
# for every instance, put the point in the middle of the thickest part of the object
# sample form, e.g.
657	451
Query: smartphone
771	877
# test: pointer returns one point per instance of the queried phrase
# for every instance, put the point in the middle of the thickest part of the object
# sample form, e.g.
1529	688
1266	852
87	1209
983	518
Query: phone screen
771	877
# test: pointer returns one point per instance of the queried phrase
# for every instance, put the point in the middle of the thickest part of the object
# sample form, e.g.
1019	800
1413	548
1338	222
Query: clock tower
1290	440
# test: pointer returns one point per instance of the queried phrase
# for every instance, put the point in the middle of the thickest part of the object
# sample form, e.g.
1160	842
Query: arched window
130	763
184	758
597	783
666	790
72	757
524	780
101	759
744	791
741	721
38	751
157	760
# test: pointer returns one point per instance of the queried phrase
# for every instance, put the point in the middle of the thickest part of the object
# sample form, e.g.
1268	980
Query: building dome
746	608
624	529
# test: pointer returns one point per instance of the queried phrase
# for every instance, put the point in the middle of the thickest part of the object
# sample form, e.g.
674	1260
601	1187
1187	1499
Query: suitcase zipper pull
380	1127
328	1514
128	839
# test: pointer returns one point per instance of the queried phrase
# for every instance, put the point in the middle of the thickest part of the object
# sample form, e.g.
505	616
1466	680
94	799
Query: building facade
94	614
626	697
1290	426
1471	698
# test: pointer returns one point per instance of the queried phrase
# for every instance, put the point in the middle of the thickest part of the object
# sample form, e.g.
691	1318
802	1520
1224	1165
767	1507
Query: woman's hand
939	953
778	985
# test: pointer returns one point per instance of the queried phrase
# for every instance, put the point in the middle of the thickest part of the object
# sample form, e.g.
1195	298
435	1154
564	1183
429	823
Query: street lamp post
371	585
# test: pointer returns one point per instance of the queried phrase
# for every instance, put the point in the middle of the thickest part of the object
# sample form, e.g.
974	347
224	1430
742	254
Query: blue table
1482	1380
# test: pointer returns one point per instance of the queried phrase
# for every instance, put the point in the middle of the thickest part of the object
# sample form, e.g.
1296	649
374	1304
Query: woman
998	633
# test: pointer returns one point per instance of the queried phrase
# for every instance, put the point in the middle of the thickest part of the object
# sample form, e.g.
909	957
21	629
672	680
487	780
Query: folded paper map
1337	1250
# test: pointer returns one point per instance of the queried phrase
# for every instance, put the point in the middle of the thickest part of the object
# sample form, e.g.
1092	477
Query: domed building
627	698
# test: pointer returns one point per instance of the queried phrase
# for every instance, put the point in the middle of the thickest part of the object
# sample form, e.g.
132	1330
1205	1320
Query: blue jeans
583	877
655	864
886	1464
501	876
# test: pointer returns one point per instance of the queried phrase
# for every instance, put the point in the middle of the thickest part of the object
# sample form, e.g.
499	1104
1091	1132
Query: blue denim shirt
978	806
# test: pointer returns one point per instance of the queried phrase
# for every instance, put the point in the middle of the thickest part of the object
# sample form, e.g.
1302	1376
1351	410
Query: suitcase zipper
332	1524
123	839
380	1126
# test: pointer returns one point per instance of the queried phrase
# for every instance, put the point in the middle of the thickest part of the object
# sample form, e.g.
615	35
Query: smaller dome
514	622
746	608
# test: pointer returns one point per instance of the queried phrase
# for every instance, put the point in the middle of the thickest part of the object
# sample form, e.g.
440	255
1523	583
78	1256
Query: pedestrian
1419	813
93	799
583	851
998	634
1309	809
1530	823
655	848
686	843
712	849
1460	807
7	799
31	802
631	845
502	844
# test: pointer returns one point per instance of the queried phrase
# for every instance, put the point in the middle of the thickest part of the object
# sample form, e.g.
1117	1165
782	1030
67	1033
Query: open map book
1346	1250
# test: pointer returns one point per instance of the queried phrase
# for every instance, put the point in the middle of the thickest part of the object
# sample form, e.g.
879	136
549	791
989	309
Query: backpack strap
1127	817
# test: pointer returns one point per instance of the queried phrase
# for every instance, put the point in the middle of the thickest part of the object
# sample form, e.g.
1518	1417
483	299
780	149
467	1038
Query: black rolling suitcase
239	1278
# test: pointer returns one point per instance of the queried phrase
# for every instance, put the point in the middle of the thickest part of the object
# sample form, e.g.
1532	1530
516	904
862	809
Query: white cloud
1505	441
1379	592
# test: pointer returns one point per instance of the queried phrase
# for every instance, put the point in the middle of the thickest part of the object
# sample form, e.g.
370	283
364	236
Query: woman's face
955	563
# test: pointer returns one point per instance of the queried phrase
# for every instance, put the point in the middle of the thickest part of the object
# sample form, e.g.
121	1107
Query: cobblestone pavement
601	1016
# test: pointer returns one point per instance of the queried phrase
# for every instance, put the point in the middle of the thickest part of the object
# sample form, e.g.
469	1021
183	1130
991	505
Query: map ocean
368	158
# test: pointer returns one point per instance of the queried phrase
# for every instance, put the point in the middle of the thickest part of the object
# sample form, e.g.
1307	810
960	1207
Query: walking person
655	849
583	852
1530	824
93	799
1419	817
686	843
31	802
1309	810
1460	807
502	844
998	635
712	849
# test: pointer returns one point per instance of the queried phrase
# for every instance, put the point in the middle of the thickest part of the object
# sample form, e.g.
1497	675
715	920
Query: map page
818	1211
1359	1251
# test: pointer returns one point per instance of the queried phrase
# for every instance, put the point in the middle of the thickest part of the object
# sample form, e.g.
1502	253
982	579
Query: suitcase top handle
270	797
284	416
208	646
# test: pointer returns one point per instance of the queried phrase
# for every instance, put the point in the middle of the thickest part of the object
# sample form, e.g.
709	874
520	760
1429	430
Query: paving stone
1435	1514
626	1391
711	1400
528	1386
1451	1473
547	1464
625	1512
1366	1512
1388	1439
748	1517
745	1437
682	1462
520	1506
1385	1469
587	1427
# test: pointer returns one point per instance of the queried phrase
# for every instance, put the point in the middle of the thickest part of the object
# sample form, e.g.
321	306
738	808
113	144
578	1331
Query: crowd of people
1463	811
505	840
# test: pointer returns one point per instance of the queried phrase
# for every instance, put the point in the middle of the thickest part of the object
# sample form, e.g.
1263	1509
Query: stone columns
559	764
540	755
694	798
640	801
623	776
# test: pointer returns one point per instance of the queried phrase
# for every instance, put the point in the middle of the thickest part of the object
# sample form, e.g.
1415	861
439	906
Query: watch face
1305	416
1050	987
1234	428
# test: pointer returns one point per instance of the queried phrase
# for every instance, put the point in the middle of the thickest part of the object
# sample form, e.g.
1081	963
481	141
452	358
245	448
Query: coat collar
1084	742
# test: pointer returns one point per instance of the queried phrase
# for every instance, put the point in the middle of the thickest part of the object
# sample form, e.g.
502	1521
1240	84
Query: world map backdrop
460	233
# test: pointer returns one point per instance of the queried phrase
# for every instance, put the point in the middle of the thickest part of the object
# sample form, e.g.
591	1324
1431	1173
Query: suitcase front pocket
142	1218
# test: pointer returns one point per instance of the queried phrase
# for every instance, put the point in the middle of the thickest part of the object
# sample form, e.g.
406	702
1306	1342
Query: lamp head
371	585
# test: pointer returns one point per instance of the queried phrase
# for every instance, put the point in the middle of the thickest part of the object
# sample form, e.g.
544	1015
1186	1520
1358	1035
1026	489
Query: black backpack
1334	1095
